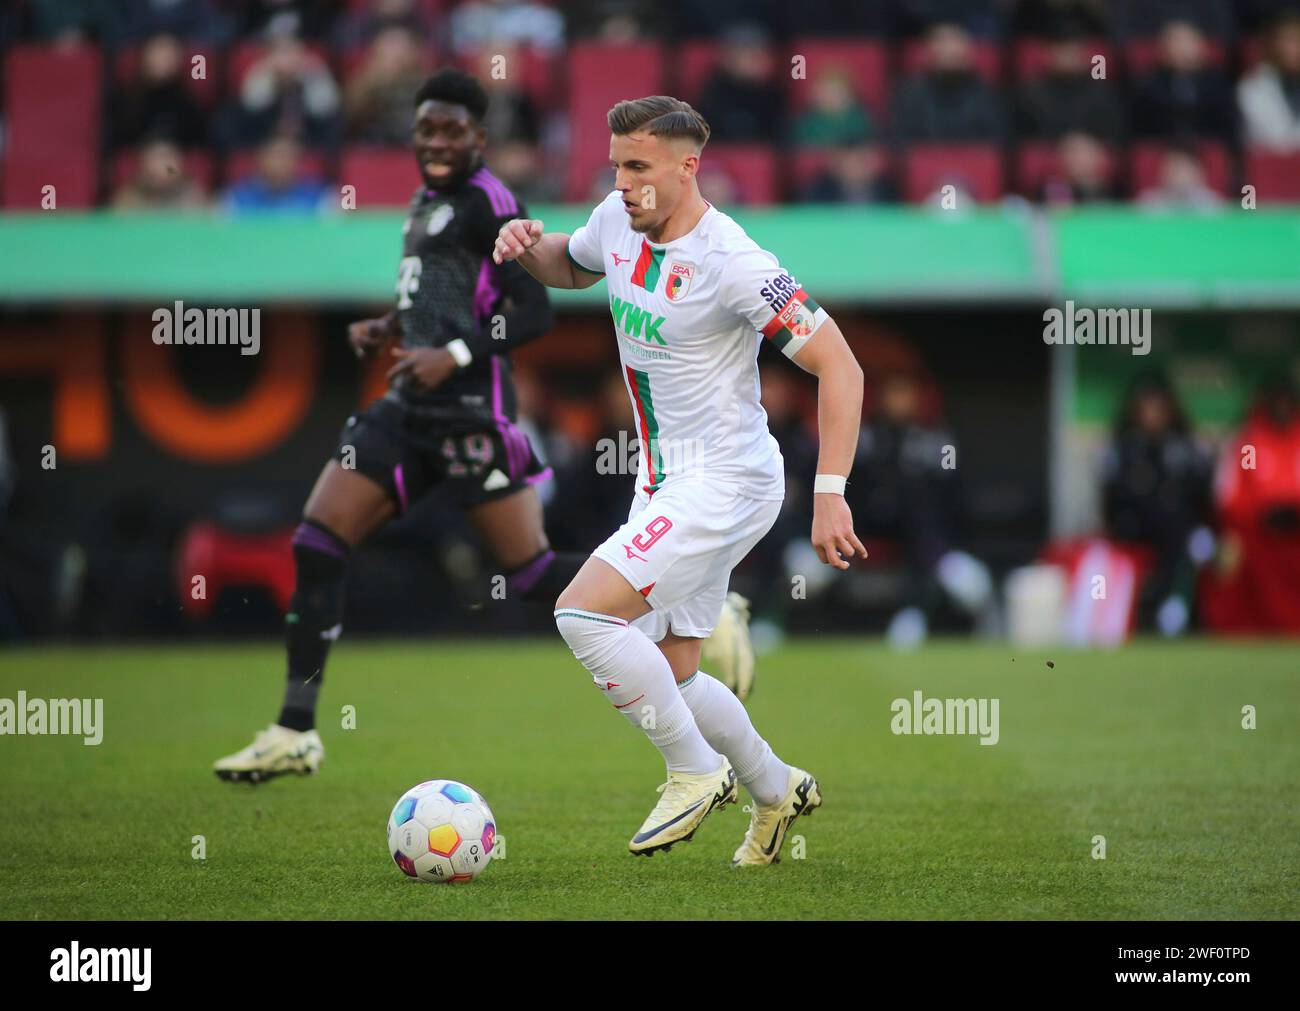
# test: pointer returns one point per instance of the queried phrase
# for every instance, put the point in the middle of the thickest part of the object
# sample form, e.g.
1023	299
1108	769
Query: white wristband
460	351
829	484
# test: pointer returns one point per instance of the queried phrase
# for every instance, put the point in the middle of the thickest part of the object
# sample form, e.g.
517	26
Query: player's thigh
602	589
682	653
511	528
348	503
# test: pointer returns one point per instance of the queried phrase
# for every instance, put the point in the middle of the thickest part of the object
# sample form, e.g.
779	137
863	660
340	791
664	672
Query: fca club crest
680	276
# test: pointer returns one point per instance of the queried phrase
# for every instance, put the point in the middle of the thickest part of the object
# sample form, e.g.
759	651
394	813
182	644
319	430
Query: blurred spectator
834	116
1145	19
1257	579
854	174
479	23
192	20
1067	98
377	105
1084	174
1184	96
975	17
1182	183
1156	482
279	184
902	491
740	100
948	100
1269	96
616	22
718	186
360	25
159	181
520	165
1061	18
302	19
511	115
158	102
289	90
694	20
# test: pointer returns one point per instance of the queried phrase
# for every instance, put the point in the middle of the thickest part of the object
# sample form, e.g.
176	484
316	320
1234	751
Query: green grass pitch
1143	746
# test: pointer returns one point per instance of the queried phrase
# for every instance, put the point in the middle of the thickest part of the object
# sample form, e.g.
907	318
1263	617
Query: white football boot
728	651
687	800
275	751
768	825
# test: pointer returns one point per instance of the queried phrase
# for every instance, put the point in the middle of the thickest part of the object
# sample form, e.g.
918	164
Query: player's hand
832	531
431	367
516	237
368	336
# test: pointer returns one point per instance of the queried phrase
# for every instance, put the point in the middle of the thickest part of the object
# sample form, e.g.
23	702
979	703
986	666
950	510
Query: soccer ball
442	831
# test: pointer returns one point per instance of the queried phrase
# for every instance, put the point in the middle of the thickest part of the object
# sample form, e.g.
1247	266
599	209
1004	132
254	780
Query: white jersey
689	316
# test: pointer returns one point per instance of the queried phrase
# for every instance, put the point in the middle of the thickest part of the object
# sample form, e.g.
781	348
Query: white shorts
678	548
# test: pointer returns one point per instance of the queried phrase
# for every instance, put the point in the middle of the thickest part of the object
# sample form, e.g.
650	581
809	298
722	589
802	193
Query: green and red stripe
777	327
639	384
646	272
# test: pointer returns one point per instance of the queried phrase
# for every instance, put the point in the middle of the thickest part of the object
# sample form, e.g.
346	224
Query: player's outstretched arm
828	356
545	255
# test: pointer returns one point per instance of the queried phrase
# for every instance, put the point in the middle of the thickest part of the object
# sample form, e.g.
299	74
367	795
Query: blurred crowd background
1150	105
1167	102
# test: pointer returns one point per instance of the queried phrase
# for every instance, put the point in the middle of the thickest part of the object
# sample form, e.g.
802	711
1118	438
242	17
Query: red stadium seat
988	59
1145	166
383	176
1142	55
752	168
1038	161
198	166
806	165
1030	56
975	168
1275	176
601	74
227	559
52	112
695	62
865	62
205	90
542	74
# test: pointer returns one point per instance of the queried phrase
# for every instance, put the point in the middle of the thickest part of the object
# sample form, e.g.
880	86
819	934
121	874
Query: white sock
638	681
725	724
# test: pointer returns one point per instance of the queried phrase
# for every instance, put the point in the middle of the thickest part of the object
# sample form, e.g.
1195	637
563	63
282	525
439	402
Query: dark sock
545	576
314	619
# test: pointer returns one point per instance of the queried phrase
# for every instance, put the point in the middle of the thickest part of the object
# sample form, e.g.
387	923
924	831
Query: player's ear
690	165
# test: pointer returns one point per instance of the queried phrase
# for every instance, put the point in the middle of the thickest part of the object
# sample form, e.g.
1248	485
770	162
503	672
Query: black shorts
408	455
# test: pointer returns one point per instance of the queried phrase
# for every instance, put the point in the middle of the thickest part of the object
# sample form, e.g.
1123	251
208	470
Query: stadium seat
601	74
1145	167
752	168
1275	176
205	90
245	54
865	62
44	86
227	559
1037	161
695	61
975	168
198	166
988	59
1029	57
383	176
542	75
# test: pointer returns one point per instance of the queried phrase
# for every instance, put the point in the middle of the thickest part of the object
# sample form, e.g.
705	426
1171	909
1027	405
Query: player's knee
589	635
320	556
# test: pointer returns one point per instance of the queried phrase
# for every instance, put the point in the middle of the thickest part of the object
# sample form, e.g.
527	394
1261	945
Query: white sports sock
637	679
725	724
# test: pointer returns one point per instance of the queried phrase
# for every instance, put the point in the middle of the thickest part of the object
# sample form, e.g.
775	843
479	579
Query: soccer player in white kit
692	296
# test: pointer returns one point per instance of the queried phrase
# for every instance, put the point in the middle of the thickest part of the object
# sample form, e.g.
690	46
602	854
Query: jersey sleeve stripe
572	259
797	320
503	201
